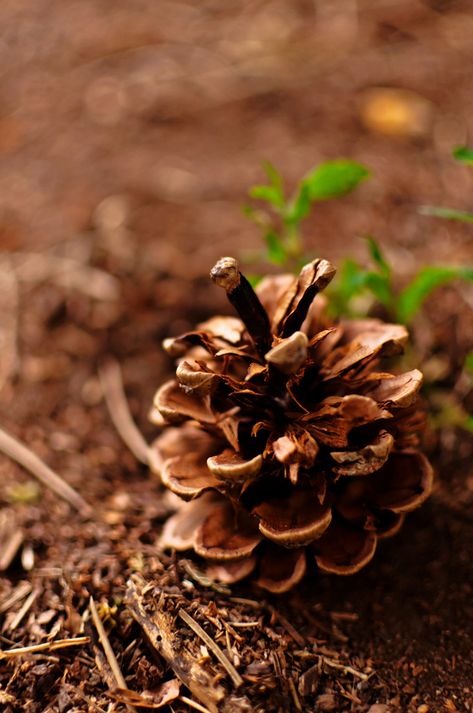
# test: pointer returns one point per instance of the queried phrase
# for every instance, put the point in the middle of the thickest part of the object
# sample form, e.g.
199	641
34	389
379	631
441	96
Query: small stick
46	646
295	697
11	548
112	385
109	654
298	638
194	704
9	307
197	629
18	452
346	669
22	590
23	611
225	273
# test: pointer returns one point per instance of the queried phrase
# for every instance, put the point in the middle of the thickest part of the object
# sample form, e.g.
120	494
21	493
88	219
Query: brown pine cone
289	444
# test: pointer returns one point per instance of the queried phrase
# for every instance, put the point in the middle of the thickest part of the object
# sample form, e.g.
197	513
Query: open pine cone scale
285	443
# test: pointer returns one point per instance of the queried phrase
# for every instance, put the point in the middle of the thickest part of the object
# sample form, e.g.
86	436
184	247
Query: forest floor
128	141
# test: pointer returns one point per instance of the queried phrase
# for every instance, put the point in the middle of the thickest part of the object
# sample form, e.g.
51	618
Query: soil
128	140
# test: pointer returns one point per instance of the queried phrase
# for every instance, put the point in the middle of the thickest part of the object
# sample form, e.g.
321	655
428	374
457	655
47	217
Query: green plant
280	217
402	305
464	154
280	221
356	287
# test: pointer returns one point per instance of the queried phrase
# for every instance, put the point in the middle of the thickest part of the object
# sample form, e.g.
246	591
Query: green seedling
279	217
356	288
464	154
401	306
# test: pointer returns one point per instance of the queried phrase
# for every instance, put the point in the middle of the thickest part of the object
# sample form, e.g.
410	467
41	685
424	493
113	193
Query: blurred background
144	123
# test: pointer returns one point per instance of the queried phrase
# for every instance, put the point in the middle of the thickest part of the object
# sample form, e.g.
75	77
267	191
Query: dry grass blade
11	537
345	669
298	638
10	548
104	640
109	654
9	322
21	591
295	697
18	452
112	385
197	629
159	627
193	704
19	616
47	646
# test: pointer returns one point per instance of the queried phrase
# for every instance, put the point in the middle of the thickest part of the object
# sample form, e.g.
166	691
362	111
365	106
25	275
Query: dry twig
298	638
112	385
9	322
193	704
46	646
18	452
21	591
11	538
22	612
345	669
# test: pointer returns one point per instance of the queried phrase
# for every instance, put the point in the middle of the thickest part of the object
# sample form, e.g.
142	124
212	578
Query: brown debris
158	626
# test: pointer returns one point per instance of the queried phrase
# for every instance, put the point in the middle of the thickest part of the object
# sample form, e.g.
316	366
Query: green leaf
254	280
469	363
449	213
299	207
273	175
464	154
378	257
427	280
276	251
468	424
380	286
348	283
333	179
270	194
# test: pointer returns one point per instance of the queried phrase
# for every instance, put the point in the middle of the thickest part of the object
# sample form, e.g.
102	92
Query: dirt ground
128	139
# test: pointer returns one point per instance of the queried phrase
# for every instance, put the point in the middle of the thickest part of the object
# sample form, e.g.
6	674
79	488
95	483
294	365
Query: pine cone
289	444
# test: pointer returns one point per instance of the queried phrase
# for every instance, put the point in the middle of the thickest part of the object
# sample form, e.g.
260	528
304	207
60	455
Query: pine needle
18	452
197	629
109	653
46	646
117	404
